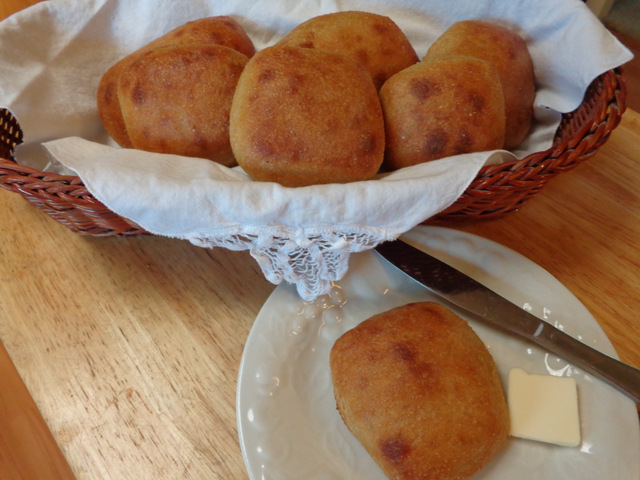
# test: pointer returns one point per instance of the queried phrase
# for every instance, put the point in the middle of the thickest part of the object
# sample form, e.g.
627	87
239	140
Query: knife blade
463	291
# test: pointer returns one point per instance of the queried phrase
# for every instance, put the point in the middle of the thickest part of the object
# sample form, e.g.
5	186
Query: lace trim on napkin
311	262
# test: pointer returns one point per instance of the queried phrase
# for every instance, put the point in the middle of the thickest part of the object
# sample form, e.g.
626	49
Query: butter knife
473	297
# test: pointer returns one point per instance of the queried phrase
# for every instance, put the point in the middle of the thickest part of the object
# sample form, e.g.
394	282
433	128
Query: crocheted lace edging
309	262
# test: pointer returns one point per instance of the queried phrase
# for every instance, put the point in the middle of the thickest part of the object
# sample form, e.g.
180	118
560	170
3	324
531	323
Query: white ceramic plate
288	425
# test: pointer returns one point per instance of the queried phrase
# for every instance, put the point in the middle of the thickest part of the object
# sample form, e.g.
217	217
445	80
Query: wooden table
130	347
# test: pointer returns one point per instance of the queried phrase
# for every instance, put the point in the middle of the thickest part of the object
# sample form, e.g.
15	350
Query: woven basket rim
561	145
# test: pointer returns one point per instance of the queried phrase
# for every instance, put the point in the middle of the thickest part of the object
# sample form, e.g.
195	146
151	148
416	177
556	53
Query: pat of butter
544	408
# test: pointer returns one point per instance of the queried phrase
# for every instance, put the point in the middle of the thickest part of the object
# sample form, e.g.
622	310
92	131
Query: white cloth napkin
54	54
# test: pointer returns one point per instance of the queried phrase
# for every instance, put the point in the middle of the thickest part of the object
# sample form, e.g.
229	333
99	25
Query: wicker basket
497	190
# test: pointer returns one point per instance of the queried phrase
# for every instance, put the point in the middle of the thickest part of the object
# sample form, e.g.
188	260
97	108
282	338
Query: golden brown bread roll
303	116
219	30
508	52
109	106
373	40
443	107
177	99
421	392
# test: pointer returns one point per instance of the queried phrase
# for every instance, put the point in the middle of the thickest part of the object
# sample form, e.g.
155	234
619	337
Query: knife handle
619	375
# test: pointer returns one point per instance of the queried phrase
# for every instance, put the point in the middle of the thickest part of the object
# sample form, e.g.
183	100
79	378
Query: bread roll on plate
443	107
303	116
421	392
373	40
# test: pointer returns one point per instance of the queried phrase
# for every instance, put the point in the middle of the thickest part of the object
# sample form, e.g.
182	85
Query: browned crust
305	116
177	99
508	52
218	30
373	40
421	392
440	108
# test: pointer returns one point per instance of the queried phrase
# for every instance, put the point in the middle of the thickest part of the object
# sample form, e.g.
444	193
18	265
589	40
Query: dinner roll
373	40
303	116
443	107
421	392
218	30
508	52
177	99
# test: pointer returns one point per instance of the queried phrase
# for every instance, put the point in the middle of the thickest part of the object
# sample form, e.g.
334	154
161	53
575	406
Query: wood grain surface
28	450
130	347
